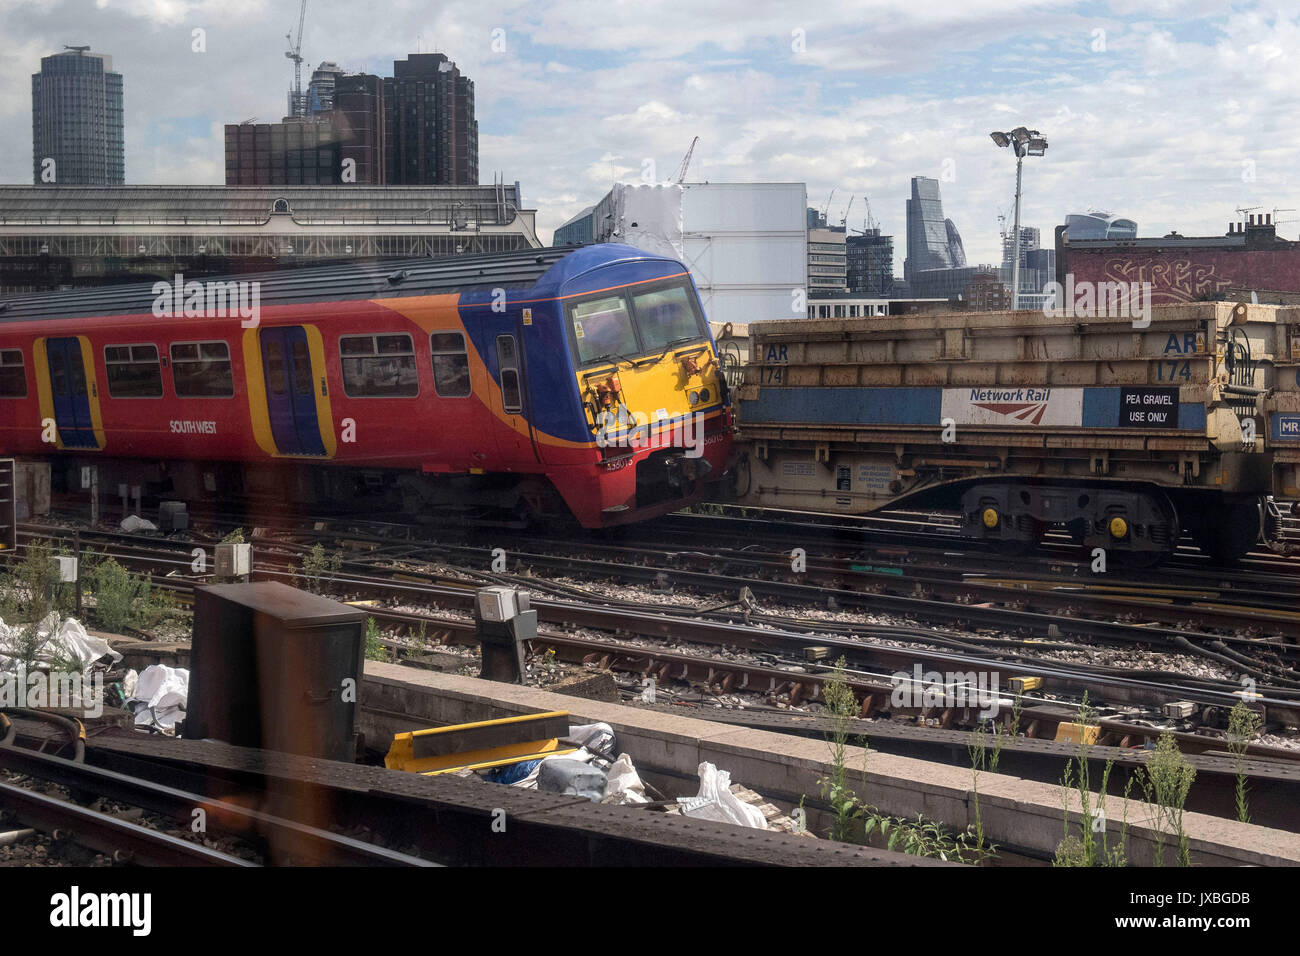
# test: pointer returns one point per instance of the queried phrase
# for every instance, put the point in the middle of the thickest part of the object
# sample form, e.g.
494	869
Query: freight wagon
1126	432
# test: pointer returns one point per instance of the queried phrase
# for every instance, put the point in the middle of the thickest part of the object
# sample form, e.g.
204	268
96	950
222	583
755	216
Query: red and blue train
536	383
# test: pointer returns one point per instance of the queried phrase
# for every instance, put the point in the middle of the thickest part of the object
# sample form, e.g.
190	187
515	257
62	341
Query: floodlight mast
1026	142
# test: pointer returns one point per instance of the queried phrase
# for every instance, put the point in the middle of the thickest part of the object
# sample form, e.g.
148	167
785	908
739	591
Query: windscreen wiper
610	357
669	347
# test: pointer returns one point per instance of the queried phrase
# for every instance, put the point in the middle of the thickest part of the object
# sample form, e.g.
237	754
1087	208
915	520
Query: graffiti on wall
1172	280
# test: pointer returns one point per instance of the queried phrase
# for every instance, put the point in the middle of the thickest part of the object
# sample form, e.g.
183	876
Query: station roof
155	205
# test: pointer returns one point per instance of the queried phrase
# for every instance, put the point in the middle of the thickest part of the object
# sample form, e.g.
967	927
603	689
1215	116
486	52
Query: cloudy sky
1172	112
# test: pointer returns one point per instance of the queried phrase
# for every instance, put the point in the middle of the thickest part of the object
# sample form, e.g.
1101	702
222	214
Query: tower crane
297	105
686	161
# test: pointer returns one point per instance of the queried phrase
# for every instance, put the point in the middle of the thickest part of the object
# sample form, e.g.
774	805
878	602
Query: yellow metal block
1021	684
452	747
1077	733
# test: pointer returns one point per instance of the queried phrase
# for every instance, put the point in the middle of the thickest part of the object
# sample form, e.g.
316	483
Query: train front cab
652	409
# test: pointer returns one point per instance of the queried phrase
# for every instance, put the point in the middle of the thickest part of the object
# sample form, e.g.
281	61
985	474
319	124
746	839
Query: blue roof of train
543	271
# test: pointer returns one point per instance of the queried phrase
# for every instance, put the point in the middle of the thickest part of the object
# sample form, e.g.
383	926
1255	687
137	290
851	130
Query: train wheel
1230	532
1019	547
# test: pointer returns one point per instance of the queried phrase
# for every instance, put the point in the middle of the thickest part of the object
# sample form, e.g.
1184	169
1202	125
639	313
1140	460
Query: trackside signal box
275	668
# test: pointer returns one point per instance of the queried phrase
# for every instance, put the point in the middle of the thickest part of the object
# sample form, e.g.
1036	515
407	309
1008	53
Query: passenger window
133	372
301	369
275	365
378	366
13	380
202	370
450	364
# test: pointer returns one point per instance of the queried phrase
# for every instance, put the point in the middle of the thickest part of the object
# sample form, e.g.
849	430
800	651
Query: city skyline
568	105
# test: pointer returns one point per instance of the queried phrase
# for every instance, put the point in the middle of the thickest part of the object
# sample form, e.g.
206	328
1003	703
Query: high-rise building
932	241
826	256
314	151
869	263
320	90
432	135
1029	240
358	116
1099	225
77	120
296	153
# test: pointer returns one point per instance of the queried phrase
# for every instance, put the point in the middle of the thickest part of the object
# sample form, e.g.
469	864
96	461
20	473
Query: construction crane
827	207
847	209
686	162
297	105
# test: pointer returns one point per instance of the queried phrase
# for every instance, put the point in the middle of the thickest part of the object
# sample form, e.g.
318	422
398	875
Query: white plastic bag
624	786
160	695
716	801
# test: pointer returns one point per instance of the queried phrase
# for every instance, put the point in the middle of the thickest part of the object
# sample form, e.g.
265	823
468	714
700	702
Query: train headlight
693	397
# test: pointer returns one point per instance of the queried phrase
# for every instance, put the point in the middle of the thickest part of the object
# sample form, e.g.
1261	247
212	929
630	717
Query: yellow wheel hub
990	518
1118	528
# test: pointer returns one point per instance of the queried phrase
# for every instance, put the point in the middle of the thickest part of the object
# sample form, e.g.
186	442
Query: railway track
868	647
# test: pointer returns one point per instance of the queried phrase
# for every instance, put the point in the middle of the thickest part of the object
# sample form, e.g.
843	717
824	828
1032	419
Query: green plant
1085	849
1168	779
316	564
983	757
124	600
375	649
1243	725
235	537
841	709
922	837
31	589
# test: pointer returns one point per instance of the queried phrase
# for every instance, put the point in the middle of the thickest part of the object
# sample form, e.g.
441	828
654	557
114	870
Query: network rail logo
1099	300
931	689
178	299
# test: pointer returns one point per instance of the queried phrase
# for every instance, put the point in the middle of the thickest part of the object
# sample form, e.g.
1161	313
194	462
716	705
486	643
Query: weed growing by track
124	600
375	649
30	589
1084	848
841	709
1243	725
316	564
919	837
1168	779
982	757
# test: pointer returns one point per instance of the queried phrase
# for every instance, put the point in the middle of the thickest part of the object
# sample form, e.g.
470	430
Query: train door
519	441
290	391
70	394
